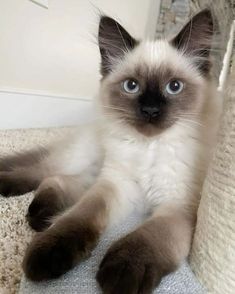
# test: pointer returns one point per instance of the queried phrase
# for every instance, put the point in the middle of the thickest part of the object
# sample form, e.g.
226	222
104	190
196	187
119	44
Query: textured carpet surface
14	231
213	253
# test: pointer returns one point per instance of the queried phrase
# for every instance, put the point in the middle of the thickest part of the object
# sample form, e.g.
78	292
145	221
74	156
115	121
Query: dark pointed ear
114	42
195	39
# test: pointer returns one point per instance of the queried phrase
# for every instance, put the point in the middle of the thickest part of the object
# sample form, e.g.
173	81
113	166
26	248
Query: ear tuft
114	42
195	39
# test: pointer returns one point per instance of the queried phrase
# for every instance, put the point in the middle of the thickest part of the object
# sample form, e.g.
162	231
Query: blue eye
174	87
131	86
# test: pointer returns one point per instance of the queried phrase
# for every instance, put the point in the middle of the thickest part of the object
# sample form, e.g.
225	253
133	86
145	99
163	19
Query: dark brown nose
149	112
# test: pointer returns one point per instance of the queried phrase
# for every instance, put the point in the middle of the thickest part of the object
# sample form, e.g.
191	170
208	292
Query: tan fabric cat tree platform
213	253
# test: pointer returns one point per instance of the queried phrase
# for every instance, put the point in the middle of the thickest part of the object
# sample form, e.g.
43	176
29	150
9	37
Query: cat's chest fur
162	167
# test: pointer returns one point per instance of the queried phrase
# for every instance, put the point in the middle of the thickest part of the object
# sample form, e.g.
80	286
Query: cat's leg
22	159
53	196
23	172
137	262
74	234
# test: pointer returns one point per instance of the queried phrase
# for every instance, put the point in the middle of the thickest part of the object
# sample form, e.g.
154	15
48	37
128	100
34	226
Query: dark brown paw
56	250
13	183
45	205
129	267
49	256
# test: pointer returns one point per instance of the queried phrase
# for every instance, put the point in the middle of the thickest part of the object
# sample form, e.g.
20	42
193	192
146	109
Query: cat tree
213	251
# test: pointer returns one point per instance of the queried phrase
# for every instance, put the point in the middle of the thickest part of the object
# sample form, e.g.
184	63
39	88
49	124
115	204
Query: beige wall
53	51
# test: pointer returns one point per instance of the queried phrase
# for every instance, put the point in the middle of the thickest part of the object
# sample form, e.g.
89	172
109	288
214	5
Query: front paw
129	267
49	256
44	206
58	249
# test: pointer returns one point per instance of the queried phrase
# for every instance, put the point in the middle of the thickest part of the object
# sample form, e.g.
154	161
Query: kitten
159	115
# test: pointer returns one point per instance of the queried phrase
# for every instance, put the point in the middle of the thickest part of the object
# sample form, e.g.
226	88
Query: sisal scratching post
213	252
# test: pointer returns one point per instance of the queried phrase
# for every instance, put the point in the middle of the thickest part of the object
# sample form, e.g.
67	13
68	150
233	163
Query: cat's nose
150	111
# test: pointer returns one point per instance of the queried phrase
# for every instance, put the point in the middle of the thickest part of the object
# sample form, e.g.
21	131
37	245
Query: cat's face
152	85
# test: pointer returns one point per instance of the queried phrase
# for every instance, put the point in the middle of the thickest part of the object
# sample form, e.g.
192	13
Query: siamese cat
159	113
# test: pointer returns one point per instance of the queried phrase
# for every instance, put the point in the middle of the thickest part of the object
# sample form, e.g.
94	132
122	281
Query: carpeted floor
14	231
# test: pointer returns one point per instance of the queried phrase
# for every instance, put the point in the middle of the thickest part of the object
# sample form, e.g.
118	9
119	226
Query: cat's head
150	85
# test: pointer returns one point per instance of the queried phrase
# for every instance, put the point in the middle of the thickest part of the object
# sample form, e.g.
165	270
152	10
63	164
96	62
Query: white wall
19	111
53	51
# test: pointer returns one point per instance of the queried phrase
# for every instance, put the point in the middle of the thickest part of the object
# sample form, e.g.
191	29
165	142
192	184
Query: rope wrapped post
213	251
